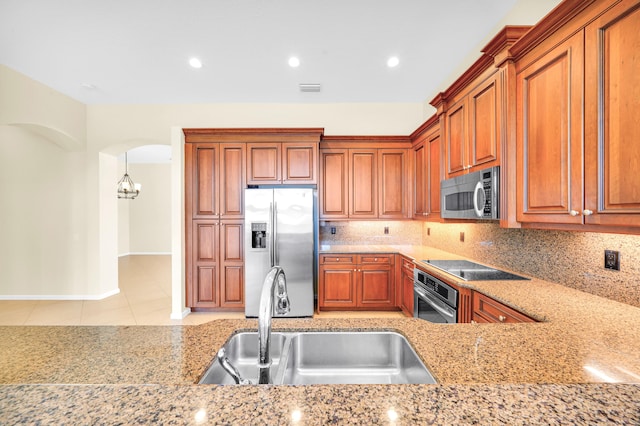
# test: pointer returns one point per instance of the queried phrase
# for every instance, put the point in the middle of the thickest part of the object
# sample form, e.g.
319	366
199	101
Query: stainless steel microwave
471	196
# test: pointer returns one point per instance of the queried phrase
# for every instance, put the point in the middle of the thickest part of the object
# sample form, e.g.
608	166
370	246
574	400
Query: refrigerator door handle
276	255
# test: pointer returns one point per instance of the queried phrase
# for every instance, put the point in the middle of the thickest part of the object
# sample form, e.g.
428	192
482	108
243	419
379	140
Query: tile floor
144	299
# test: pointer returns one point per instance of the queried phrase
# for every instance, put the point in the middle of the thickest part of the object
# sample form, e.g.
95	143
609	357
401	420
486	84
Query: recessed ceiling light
294	62
393	62
195	63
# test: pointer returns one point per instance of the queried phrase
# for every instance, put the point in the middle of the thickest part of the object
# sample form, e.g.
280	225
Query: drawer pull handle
502	318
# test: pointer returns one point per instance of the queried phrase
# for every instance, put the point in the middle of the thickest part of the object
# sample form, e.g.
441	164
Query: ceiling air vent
309	87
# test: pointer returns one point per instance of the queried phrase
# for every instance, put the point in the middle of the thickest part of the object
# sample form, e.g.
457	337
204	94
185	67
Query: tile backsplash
573	259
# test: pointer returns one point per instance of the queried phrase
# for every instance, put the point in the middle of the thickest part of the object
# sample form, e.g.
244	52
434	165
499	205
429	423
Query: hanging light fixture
126	187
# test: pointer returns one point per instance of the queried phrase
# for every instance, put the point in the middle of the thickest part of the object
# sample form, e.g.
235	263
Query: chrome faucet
275	280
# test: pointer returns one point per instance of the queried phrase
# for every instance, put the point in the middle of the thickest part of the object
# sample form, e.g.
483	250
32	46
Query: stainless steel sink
353	358
304	358
242	351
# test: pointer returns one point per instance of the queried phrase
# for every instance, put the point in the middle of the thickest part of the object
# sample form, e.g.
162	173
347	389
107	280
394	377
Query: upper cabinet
282	163
578	109
612	117
364	178
427	153
472	124
214	180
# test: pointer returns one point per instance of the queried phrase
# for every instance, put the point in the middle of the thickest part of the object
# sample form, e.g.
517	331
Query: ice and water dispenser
258	235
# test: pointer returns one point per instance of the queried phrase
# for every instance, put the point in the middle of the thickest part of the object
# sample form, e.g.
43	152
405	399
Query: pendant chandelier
126	187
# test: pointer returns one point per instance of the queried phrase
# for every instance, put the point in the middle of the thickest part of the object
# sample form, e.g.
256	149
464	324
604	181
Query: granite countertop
579	365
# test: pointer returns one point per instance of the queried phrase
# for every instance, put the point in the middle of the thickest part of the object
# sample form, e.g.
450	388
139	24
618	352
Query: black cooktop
470	271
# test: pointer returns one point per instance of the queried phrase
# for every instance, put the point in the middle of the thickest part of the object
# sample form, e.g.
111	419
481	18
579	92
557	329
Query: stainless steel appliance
434	301
471	196
280	230
470	271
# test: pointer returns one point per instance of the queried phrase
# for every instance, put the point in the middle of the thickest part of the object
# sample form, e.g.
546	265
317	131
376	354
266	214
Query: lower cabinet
217	276
356	281
488	310
406	274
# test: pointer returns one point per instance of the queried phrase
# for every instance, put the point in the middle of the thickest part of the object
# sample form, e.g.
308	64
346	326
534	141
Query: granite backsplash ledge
573	259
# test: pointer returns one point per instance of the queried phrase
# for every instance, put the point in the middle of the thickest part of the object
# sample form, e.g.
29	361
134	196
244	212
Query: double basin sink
305	358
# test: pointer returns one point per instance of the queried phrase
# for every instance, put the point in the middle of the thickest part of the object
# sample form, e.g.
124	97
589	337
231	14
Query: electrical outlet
386	230
612	260
462	237
333	230
428	231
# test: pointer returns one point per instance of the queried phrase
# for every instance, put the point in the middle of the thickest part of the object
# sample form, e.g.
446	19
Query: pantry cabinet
578	109
356	281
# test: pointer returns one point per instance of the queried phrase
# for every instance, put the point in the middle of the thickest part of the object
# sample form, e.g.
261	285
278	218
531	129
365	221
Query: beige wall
145	222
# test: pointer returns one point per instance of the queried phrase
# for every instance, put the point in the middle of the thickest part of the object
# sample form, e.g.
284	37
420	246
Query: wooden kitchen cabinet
612	117
217	265
489	310
364	183
356	281
473	127
406	303
282	163
549	146
427	154
578	108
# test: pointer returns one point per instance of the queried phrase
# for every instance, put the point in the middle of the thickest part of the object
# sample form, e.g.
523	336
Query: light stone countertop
552	372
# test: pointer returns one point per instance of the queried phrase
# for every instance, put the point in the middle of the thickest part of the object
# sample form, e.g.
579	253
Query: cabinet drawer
384	259
494	311
337	258
407	264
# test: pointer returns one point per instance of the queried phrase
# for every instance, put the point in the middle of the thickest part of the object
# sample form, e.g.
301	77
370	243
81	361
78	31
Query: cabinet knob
337	259
473	322
587	212
375	259
574	213
501	318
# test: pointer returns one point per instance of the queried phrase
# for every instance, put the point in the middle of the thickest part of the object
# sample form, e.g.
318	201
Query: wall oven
471	196
434	300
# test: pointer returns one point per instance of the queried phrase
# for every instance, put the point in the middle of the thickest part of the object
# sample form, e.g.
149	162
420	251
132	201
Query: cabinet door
420	191
374	286
232	175
612	122
204	287
393	194
263	163
232	264
549	136
485	111
363	189
337	286
407	287
434	174
201	180
300	163
486	309
456	130
334	183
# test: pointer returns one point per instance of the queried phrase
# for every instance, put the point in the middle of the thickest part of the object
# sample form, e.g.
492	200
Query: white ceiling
137	51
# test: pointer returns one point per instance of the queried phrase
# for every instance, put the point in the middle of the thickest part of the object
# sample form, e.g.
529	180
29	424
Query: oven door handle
435	304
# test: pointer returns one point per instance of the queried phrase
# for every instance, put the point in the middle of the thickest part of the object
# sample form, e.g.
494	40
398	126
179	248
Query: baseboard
180	315
60	296
146	253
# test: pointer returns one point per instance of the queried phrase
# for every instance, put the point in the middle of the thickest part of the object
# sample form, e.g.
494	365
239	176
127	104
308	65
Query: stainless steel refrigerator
280	229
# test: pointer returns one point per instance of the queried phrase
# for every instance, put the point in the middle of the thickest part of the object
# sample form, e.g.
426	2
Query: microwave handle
479	209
